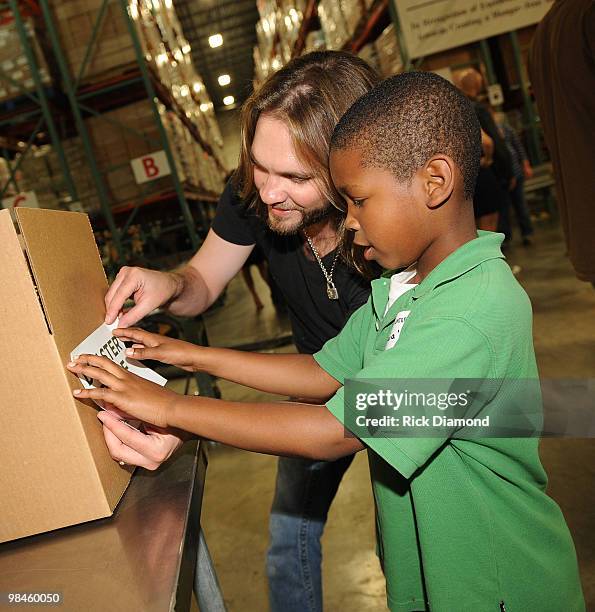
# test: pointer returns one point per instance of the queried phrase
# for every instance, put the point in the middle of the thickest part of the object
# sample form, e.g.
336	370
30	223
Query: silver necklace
331	290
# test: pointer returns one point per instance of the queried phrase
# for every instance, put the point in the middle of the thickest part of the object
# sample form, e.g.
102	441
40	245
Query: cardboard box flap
68	273
71	283
40	450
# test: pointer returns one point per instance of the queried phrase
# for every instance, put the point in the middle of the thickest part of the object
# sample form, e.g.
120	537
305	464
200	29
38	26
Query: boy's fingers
143	353
100	362
97	374
134	334
104	394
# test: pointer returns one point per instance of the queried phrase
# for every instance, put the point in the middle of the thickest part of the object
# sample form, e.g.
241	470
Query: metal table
142	559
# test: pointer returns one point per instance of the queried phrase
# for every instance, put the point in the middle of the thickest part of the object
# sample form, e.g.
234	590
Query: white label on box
25	199
103	342
150	167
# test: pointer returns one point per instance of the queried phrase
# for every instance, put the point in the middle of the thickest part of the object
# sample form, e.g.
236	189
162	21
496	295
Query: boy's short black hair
406	119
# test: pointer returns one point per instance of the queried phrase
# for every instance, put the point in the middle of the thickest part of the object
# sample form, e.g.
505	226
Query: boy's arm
291	375
280	428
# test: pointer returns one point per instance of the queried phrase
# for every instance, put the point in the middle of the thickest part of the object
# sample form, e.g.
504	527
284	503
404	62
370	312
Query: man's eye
299	179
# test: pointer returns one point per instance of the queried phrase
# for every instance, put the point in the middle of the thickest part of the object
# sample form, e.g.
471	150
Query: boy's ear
439	180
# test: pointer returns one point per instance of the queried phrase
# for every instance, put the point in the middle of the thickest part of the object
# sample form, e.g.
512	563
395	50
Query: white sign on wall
430	26
26	199
150	167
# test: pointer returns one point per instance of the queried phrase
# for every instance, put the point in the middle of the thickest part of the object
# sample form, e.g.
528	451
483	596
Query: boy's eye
300	179
358	202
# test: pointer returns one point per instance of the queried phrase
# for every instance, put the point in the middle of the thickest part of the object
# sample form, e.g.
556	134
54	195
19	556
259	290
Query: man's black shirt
314	318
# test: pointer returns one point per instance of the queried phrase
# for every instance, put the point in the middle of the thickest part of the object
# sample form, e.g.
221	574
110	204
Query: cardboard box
55	469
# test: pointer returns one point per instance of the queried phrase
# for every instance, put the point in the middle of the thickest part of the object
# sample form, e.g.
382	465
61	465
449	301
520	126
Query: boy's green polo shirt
463	524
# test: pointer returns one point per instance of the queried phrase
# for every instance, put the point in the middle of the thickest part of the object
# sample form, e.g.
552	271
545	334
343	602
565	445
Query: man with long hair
281	199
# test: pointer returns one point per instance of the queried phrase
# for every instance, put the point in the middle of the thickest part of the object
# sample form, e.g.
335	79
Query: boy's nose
351	222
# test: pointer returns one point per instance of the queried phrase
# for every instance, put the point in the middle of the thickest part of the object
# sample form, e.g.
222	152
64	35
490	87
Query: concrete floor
240	485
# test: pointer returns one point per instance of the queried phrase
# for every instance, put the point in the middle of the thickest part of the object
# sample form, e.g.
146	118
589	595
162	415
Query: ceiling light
197	87
204	107
224	79
228	100
216	40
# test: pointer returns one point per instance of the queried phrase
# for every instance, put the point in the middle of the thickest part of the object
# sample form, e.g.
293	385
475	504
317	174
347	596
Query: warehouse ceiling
236	21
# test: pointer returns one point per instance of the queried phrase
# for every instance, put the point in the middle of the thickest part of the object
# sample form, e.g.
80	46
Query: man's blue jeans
303	495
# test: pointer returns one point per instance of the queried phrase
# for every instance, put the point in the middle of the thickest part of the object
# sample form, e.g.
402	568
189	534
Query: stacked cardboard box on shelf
169	55
279	25
113	51
389	55
277	32
370	55
14	64
40	172
339	20
353	12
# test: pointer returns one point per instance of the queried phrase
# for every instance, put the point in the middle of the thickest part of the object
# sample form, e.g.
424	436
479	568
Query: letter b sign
150	167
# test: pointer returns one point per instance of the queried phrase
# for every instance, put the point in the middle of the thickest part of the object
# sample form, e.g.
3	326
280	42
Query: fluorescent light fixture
224	79
228	100
216	40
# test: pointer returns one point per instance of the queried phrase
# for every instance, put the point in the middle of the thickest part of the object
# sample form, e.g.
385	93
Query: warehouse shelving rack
63	109
383	12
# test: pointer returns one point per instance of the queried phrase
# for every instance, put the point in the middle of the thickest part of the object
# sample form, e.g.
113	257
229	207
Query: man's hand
137	397
148	288
148	450
146	345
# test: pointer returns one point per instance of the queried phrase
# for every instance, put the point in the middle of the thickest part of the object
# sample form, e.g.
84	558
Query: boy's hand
149	449
160	348
137	397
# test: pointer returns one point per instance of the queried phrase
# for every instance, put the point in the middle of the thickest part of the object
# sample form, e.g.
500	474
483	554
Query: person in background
521	169
257	259
562	69
281	200
490	191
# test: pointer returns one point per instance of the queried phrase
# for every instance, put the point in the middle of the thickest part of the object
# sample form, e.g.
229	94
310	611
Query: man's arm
207	274
187	292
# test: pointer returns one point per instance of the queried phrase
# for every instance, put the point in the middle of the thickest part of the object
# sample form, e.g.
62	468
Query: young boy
464	523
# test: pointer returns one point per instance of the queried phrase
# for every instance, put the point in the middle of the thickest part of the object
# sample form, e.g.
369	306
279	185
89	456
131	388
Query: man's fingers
128	445
135	314
122	452
121	289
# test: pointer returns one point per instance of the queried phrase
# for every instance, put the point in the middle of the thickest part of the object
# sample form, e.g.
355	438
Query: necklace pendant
331	291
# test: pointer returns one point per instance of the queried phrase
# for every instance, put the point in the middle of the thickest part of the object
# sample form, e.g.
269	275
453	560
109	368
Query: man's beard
309	217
